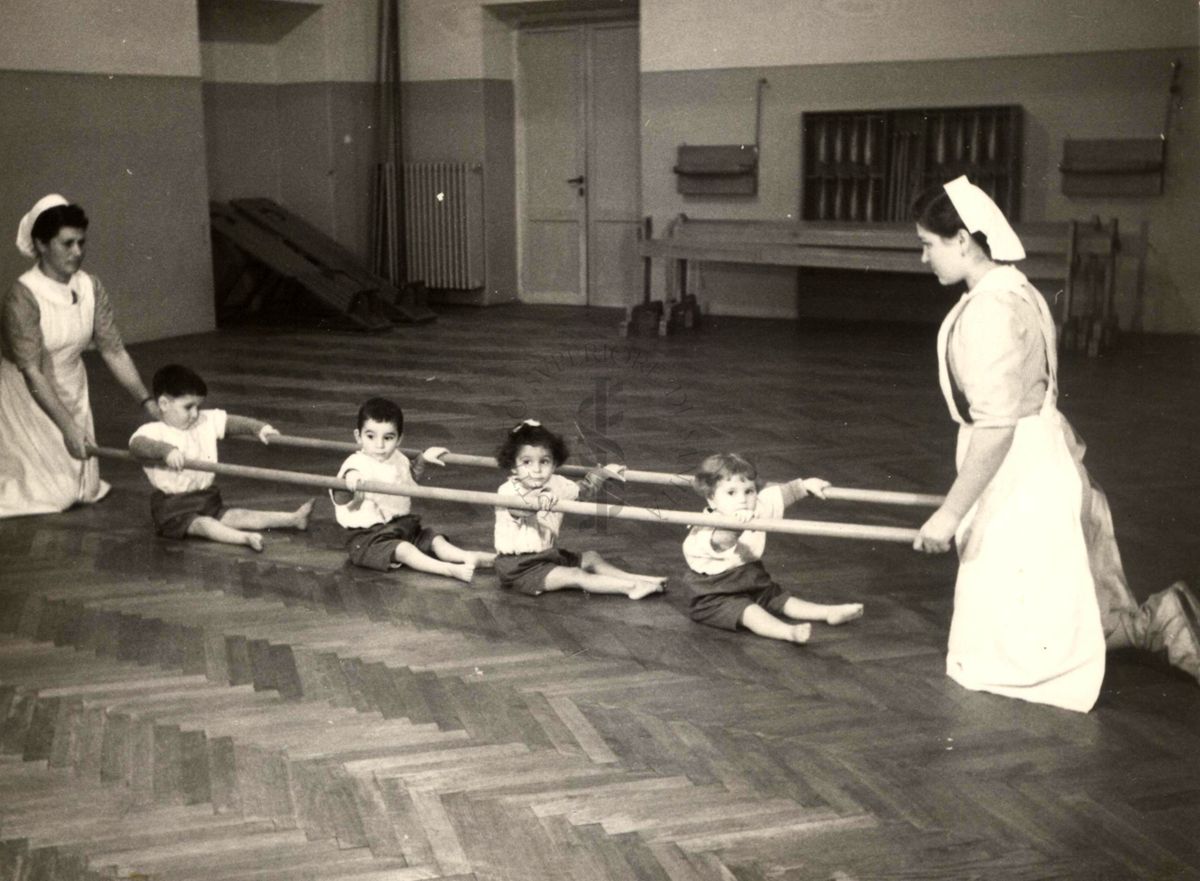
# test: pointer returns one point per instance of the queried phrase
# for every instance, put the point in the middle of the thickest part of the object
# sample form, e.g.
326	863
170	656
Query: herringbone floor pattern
189	710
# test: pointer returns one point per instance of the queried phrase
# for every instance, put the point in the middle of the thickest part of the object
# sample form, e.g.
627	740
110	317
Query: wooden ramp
267	257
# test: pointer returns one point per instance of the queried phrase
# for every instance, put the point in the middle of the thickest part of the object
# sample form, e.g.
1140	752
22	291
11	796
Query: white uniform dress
48	323
1026	622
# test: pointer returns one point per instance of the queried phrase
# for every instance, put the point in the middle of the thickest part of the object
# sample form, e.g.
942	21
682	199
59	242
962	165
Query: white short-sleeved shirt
698	547
375	508
536	531
198	442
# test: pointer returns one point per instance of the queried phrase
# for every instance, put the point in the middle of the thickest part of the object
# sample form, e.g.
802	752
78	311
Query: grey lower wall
130	150
473	121
500	196
242	140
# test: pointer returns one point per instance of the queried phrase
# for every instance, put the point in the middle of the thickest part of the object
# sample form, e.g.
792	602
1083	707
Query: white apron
37	474
1026	623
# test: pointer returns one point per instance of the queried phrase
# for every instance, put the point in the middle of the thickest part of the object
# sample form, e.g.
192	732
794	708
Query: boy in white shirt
186	502
384	533
727	584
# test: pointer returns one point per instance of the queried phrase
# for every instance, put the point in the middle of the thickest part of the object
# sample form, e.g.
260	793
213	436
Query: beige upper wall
135	37
703	35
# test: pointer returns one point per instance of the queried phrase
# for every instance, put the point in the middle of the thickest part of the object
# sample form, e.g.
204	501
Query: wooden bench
1079	258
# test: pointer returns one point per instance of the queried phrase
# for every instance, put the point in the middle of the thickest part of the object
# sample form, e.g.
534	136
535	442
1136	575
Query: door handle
575	180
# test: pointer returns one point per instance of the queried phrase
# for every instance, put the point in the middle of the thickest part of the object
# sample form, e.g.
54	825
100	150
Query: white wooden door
578	102
551	101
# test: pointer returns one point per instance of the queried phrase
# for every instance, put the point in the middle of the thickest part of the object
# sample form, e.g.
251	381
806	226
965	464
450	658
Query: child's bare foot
300	515
254	540
482	559
642	589
800	633
462	571
844	613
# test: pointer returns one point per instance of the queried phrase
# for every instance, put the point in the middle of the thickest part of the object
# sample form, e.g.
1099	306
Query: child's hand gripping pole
435	456
598	475
816	486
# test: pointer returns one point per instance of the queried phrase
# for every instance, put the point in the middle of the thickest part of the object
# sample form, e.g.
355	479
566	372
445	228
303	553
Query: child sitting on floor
528	560
727	582
186	502
383	533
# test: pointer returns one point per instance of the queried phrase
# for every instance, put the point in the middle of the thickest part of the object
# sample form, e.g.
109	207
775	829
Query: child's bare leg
411	556
215	530
565	577
445	550
758	620
593	562
244	518
803	610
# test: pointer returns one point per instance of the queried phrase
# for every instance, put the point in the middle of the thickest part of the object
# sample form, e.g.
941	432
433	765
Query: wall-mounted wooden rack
723	169
1117	167
868	165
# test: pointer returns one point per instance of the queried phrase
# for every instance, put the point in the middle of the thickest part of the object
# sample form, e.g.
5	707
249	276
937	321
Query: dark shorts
375	547
174	513
526	573
720	600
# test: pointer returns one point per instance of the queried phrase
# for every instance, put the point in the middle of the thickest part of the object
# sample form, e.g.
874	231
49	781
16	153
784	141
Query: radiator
443	214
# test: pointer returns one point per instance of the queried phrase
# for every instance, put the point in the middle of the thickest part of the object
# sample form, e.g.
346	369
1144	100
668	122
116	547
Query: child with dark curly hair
528	559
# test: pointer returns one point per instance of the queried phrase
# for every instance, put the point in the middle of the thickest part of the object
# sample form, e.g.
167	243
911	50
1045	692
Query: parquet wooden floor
190	710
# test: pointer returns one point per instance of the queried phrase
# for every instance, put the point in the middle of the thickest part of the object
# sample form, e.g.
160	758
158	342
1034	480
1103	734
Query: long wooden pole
658	478
863	532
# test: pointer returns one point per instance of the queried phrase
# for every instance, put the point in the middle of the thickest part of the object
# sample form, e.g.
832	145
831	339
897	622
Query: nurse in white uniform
1040	592
52	314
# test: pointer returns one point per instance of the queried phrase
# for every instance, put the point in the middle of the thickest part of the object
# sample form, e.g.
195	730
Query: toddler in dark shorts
186	502
528	559
383	534
727	584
